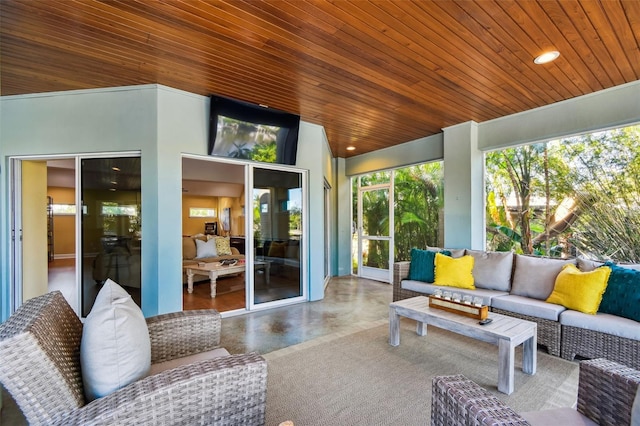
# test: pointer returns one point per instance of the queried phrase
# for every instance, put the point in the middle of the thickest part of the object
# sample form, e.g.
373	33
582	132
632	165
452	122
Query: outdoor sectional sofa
518	285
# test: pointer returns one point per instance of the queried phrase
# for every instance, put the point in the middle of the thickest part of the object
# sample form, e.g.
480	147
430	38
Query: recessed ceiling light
351	148
547	57
115	169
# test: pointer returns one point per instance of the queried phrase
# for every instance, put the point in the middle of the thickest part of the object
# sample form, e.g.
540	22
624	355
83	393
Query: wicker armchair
606	395
40	367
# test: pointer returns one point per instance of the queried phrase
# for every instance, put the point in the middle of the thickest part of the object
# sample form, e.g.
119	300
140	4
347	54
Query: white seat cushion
527	306
115	349
557	416
173	363
603	323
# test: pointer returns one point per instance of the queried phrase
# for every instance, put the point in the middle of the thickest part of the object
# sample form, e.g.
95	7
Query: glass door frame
384	275
249	213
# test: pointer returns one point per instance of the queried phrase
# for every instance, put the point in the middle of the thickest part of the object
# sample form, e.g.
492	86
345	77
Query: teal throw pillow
423	264
622	296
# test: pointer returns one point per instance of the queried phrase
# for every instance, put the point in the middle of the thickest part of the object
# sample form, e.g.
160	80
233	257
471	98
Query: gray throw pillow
587	265
492	269
455	253
535	277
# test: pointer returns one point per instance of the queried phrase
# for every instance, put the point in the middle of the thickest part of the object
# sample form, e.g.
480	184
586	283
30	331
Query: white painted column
463	188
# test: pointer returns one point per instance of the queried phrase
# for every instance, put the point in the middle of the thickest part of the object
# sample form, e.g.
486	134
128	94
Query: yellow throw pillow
454	272
580	291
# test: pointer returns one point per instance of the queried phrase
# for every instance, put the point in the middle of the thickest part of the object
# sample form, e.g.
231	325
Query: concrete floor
348	301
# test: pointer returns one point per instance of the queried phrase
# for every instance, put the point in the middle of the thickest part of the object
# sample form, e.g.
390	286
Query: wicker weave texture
458	401
594	344
40	358
401	272
183	333
224	391
40	367
606	391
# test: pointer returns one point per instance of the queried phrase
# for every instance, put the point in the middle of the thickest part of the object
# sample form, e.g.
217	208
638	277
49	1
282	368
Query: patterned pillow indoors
423	264
580	291
223	246
454	272
622	297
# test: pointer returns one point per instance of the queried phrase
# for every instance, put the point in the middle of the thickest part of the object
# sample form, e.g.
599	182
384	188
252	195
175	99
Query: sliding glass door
278	229
263	209
110	226
76	222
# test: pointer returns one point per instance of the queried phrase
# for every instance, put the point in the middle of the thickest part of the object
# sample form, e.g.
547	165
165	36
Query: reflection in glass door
278	220
111	226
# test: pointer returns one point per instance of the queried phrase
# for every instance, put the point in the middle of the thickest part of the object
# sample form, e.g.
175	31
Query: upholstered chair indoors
607	395
40	366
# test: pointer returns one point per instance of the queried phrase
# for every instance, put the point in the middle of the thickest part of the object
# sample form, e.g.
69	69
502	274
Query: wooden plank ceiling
373	73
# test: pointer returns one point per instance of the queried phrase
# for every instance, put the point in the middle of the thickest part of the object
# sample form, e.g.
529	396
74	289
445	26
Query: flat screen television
240	129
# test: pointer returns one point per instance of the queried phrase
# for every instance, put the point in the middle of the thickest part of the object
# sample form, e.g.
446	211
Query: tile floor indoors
348	301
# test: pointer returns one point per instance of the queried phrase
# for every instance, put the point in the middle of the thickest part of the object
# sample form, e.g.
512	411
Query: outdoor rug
355	378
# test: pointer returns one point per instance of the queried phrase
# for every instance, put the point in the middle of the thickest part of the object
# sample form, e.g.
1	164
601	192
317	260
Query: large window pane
576	196
418	192
375	253
375	212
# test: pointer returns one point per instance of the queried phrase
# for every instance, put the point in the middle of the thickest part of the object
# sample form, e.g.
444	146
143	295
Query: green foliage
417	207
265	152
580	195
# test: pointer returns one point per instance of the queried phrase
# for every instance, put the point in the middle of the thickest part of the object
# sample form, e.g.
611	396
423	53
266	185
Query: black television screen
240	129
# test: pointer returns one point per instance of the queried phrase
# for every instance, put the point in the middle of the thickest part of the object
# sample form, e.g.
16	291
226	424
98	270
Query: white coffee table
505	332
215	270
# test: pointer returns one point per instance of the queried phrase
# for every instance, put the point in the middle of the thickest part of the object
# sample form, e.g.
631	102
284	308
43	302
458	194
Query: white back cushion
115	349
